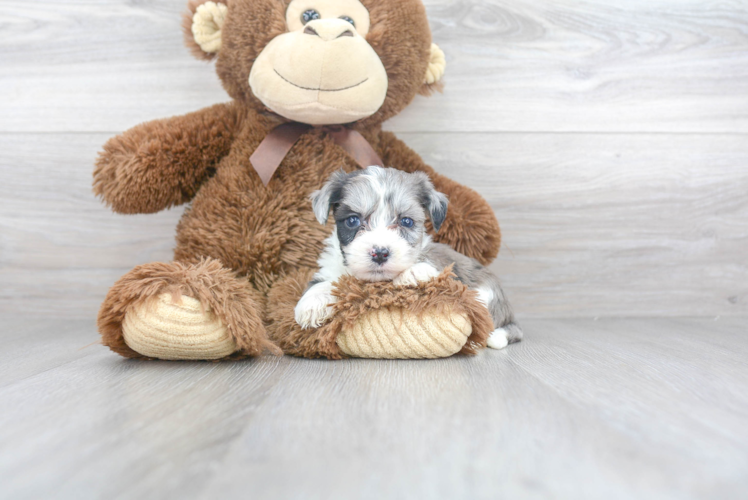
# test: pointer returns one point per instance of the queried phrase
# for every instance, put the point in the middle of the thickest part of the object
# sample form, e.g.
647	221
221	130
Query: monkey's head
320	62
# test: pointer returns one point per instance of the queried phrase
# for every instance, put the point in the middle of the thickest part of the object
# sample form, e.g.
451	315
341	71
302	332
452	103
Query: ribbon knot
275	146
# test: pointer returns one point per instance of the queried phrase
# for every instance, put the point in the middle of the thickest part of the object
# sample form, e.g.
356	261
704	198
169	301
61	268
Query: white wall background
610	137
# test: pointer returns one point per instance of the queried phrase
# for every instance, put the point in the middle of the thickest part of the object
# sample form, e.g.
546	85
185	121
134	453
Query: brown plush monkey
312	81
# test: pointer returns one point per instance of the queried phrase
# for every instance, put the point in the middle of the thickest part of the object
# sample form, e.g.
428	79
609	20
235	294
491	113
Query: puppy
380	235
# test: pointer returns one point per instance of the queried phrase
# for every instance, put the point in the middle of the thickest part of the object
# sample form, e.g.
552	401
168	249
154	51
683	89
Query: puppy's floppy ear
434	202
325	198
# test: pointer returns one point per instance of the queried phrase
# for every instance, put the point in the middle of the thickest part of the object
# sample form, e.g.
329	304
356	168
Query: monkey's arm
162	163
471	227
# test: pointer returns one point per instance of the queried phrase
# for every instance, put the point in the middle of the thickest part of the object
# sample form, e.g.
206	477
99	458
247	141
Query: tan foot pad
167	330
394	333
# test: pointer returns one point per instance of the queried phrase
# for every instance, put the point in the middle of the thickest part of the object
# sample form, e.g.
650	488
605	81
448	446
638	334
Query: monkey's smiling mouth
320	89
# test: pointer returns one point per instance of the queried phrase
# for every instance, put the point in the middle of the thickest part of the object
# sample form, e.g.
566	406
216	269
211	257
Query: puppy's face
380	215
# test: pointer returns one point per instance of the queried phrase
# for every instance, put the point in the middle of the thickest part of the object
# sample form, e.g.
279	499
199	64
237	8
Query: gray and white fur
380	235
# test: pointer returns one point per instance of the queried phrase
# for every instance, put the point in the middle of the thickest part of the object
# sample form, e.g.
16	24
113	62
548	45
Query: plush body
240	240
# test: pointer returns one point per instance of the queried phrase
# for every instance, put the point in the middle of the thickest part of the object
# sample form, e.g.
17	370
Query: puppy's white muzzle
366	260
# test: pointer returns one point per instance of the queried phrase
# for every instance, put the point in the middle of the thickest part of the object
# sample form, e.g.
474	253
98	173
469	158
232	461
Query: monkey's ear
202	25
435	71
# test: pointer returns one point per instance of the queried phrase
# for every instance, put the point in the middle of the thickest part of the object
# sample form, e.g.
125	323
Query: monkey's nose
380	255
329	29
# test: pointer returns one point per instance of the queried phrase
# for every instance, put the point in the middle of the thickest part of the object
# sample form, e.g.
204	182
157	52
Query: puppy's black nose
380	255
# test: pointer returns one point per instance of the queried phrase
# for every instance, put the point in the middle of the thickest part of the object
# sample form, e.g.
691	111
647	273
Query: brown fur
440	295
163	163
266	236
283	329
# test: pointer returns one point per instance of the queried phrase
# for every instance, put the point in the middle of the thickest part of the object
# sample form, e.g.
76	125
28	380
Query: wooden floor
610	137
645	408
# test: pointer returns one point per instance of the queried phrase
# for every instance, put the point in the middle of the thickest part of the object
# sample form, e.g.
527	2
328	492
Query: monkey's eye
309	15
406	222
352	222
348	19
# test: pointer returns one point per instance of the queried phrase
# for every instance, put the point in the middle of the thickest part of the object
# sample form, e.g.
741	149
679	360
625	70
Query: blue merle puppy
380	235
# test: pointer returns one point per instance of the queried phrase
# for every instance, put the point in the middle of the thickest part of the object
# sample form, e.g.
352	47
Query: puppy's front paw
416	274
315	306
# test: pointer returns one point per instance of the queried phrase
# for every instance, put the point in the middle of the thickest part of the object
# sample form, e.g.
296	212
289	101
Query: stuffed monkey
311	82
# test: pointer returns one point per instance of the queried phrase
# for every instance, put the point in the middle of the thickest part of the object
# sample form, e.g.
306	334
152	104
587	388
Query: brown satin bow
275	146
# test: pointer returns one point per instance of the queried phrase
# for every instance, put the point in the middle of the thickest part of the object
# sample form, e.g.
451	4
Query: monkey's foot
177	311
176	328
430	319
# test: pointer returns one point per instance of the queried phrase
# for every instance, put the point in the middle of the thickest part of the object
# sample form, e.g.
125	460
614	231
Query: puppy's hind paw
498	339
417	274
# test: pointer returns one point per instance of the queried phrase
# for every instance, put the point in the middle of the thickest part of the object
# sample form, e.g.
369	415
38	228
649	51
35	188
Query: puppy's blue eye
353	222
406	222
309	15
348	19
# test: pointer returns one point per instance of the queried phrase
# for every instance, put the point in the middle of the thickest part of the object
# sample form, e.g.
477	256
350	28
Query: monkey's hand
162	163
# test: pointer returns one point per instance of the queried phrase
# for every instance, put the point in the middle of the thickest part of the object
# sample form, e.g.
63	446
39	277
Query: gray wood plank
100	426
611	225
550	65
594	225
615	408
602	414
37	344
